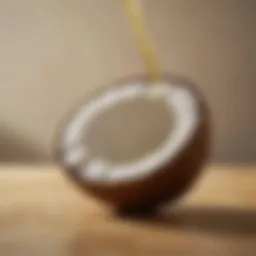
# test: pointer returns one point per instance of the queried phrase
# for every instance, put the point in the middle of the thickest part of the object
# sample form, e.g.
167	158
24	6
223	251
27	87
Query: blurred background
54	52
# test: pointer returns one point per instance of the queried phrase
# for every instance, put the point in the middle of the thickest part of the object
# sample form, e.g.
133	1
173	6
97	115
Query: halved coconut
136	144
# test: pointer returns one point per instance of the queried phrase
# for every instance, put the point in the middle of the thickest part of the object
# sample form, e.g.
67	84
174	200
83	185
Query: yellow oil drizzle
133	10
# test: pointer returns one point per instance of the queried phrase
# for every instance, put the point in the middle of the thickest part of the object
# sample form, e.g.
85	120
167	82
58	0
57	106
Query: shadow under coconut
135	236
208	219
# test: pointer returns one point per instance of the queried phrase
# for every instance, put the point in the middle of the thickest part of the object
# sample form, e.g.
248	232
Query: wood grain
41	213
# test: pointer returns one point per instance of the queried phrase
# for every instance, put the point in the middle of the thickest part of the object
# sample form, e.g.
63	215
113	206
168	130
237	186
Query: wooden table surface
41	213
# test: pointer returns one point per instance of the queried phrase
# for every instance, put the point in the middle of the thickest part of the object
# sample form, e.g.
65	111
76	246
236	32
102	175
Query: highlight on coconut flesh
135	143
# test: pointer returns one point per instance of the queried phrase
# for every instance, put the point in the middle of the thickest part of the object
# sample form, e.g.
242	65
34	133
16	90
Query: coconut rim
133	172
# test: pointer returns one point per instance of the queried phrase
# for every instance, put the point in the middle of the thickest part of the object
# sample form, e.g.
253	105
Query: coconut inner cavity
128	130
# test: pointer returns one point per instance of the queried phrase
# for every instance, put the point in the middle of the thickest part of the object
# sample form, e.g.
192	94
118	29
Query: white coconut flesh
130	131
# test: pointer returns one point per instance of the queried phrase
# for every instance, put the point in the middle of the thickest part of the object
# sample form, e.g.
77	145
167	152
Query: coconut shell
162	185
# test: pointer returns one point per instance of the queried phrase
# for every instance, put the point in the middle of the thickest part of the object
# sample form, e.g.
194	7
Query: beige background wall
52	52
